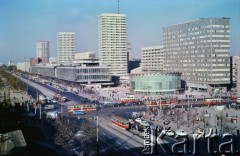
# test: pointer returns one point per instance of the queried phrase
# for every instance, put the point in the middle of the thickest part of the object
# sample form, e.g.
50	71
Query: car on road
168	132
181	132
31	114
138	120
78	112
144	123
130	104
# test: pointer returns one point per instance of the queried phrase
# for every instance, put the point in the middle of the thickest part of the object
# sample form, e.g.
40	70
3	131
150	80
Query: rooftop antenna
118	6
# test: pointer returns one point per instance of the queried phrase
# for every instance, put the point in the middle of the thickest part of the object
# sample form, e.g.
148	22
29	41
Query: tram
213	101
71	109
120	122
128	99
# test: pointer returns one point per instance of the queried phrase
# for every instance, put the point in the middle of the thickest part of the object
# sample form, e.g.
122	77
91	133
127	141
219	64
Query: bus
213	101
120	122
129	99
71	109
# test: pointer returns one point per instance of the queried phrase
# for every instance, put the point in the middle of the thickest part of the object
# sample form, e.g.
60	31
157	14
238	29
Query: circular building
155	83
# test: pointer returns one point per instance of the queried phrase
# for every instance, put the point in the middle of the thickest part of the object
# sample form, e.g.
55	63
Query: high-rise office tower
43	50
200	49
112	33
66	47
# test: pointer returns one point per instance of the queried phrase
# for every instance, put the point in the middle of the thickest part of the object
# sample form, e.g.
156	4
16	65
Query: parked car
181	132
168	132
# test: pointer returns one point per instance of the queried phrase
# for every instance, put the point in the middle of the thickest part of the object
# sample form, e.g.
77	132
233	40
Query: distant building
152	59
112	33
43	50
130	52
233	69
66	47
53	60
11	63
38	60
24	66
84	56
133	64
238	78
200	49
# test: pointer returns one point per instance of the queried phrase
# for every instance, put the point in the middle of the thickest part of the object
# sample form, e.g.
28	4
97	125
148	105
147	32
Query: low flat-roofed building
80	73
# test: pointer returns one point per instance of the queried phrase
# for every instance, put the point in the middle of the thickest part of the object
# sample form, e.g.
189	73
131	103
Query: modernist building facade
152	59
66	46
75	73
112	33
43	50
200	49
155	83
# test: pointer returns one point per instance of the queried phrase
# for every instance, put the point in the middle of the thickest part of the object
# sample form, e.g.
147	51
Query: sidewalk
191	125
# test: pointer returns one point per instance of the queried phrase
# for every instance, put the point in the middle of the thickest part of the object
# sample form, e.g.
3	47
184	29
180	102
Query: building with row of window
112	42
66	47
152	59
80	73
200	50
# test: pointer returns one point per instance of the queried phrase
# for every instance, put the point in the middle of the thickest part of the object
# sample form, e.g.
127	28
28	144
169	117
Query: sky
24	22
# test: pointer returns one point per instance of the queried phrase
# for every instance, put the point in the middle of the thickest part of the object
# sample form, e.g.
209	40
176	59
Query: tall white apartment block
66	47
200	49
152	59
43	49
112	33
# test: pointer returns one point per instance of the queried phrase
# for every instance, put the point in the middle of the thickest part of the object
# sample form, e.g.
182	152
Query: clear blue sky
23	22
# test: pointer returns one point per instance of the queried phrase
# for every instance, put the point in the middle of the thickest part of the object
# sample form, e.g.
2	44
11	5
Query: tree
178	114
223	122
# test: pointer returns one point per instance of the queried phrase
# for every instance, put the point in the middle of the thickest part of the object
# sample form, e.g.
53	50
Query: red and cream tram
213	101
81	108
120	122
